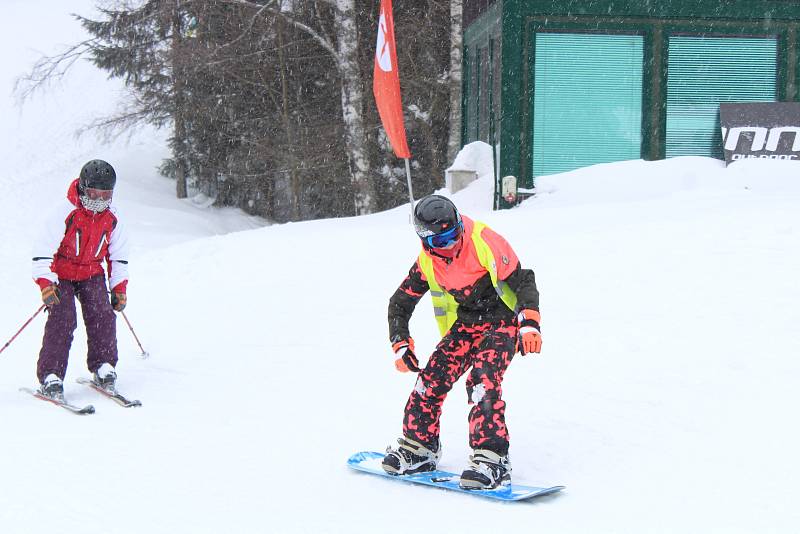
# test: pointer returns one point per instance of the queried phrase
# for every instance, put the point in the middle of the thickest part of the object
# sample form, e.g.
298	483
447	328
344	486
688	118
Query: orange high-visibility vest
445	306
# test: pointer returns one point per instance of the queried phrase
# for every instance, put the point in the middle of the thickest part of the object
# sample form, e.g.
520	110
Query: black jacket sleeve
403	302
523	283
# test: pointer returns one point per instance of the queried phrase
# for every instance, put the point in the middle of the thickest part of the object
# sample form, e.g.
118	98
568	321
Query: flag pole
386	88
410	190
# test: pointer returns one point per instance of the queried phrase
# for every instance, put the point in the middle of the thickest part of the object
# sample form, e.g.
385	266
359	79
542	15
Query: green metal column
513	94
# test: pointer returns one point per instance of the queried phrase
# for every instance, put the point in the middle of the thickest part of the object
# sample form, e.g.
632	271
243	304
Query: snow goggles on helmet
446	238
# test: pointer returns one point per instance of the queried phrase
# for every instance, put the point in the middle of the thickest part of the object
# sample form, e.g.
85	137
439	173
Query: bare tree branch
321	39
50	68
265	7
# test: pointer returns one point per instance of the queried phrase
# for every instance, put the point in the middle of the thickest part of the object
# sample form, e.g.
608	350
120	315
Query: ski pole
144	354
23	327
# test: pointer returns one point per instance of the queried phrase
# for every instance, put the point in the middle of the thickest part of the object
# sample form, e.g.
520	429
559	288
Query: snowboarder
487	307
82	231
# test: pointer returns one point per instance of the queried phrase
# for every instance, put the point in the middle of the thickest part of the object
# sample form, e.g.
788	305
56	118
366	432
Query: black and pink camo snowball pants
484	350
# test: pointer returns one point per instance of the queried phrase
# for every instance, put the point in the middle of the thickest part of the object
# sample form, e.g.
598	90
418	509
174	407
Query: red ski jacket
76	241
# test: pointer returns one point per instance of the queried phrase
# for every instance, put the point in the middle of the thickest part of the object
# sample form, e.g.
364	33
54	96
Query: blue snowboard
370	462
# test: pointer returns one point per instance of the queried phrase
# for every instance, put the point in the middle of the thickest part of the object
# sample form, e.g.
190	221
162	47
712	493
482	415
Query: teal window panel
587	100
704	71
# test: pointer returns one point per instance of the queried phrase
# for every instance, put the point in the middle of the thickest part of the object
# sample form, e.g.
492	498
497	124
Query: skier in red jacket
82	232
487	308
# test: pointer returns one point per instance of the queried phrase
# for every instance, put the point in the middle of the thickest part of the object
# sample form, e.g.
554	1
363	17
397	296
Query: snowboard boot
52	387
106	377
487	470
410	457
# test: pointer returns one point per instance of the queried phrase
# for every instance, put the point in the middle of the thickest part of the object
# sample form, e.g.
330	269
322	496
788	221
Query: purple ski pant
100	321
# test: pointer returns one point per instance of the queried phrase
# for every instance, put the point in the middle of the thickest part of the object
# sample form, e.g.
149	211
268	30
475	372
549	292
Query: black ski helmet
435	214
97	174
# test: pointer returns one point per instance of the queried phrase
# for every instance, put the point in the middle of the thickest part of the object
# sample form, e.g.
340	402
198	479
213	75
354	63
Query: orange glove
406	359
529	335
51	295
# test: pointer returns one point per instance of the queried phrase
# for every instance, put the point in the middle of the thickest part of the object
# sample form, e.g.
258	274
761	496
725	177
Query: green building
561	84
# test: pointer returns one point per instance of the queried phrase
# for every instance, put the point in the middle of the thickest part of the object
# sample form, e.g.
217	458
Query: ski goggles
446	238
98	194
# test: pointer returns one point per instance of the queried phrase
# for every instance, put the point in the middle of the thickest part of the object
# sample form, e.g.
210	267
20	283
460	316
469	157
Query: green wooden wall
515	24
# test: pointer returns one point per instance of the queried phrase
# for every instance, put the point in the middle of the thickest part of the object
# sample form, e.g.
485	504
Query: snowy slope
664	398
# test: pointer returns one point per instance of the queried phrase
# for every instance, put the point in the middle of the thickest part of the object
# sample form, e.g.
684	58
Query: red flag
386	83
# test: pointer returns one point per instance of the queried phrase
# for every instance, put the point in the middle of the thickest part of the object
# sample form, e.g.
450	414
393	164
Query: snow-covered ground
664	398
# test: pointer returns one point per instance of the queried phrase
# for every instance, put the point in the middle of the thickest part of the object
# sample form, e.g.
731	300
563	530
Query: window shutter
705	71
587	100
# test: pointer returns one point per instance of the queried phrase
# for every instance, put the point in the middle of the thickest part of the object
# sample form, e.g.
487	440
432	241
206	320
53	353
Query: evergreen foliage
254	101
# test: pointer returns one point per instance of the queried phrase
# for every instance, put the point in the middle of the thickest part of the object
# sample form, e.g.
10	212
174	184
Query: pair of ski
88	409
